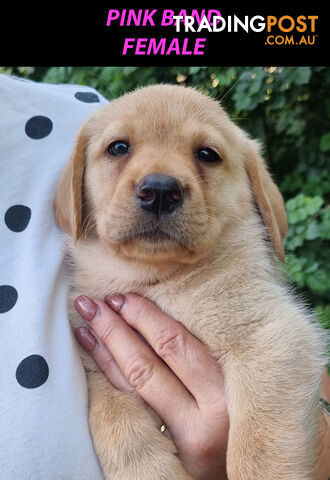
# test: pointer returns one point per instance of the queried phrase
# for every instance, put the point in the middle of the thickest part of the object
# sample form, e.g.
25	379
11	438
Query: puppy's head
160	173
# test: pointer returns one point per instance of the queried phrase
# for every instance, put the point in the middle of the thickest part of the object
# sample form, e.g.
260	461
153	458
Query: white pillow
43	395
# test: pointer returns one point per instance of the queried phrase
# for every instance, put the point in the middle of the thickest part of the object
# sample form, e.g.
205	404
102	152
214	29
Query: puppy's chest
209	308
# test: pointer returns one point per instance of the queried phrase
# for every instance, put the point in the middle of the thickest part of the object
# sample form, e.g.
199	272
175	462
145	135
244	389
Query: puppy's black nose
159	194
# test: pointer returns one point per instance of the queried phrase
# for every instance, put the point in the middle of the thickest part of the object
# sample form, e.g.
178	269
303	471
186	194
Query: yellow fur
218	275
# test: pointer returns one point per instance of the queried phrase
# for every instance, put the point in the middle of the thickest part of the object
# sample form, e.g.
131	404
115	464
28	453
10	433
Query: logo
287	30
188	26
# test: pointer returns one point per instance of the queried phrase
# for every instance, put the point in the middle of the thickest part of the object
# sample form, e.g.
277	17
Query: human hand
179	378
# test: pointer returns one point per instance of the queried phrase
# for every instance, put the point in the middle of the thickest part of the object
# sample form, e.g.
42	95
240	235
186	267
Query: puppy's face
162	174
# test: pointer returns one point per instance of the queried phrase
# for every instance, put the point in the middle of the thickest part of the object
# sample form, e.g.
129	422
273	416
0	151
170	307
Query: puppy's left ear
68	201
268	199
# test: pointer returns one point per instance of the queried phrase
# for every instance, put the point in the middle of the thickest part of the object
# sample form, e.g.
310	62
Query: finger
150	377
103	358
183	352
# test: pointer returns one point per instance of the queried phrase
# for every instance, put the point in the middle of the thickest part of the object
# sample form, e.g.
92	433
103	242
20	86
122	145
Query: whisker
107	88
240	78
82	206
87	223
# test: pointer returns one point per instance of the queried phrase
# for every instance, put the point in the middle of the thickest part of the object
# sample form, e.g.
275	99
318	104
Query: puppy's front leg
127	440
274	418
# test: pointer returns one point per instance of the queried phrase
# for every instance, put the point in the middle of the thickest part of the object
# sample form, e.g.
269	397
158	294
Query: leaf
313	230
296	127
323	315
325	142
297	216
298	278
318	282
277	101
294	242
325	225
301	75
312	267
312	204
291	205
244	102
194	70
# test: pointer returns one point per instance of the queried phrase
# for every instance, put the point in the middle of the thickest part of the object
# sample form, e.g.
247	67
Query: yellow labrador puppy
164	196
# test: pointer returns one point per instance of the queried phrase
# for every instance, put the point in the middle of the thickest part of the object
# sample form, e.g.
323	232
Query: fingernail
85	307
115	301
85	338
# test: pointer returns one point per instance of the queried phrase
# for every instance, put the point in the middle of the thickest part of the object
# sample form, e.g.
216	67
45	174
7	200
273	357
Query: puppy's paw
146	463
128	442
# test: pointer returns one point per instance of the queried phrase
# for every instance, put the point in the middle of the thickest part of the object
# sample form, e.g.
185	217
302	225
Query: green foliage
288	111
18	71
308	264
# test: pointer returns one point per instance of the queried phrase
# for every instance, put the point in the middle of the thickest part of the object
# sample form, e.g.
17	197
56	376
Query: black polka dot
8	298
38	127
87	97
17	218
32	372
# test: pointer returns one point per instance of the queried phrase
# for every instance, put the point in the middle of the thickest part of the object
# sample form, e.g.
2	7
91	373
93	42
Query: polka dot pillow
43	397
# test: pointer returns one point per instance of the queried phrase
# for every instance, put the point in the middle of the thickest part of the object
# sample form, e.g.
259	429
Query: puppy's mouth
175	232
155	235
166	233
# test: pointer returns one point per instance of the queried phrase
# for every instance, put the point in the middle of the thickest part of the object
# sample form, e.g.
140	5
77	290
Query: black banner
119	35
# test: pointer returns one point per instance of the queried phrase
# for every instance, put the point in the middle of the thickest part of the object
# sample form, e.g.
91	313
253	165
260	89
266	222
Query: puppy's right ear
68	201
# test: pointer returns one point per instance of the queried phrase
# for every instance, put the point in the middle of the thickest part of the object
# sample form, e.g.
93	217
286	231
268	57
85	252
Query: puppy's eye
118	148
208	155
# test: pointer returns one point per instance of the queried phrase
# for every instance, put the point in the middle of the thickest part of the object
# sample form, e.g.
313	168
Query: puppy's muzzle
159	194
